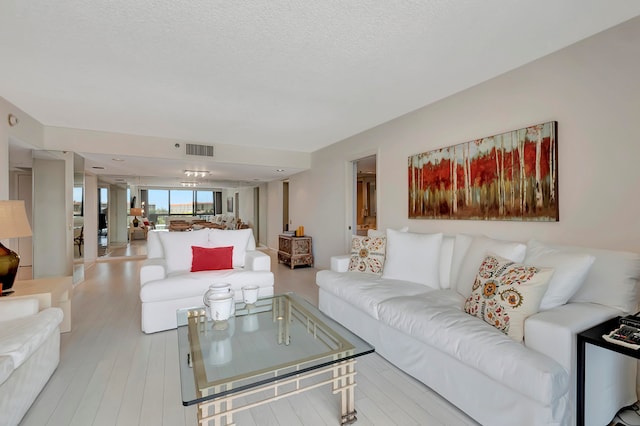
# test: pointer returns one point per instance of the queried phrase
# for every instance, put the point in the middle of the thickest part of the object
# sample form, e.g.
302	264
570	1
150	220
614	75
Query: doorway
285	205
365	199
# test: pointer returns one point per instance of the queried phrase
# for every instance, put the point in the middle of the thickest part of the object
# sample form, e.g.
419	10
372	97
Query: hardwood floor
111	373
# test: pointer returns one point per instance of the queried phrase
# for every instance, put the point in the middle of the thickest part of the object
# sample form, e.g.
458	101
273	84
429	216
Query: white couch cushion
570	271
460	248
6	367
506	293
366	291
177	248
371	233
436	319
619	270
19	338
446	259
480	247
238	238
367	254
413	257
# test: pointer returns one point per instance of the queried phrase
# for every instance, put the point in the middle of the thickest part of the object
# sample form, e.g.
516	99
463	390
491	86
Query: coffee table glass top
275	338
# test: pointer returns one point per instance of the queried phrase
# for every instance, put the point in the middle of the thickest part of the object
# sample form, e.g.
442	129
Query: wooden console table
50	292
295	251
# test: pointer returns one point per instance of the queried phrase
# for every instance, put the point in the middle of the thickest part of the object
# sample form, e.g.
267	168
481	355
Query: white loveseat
414	314
29	354
167	283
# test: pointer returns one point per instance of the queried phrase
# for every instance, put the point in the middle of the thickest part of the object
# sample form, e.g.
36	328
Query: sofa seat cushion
6	367
190	284
19	338
366	291
438	320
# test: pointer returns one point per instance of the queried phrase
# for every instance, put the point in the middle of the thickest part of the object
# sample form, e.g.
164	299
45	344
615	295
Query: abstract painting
510	176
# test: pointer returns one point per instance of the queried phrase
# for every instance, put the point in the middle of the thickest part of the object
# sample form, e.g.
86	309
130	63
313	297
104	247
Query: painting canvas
510	176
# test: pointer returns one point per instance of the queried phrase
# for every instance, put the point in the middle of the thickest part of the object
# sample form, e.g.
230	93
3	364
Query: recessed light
117	159
279	170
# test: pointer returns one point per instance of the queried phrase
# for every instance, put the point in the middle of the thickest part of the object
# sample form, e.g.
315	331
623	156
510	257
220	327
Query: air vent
201	150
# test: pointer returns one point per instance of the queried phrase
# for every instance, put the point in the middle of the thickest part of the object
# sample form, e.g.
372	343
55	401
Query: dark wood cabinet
295	251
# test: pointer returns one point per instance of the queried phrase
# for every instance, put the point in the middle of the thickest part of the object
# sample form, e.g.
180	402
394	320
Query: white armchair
29	354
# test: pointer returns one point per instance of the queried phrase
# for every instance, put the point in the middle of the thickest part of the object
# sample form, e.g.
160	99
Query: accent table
277	347
593	336
295	251
55	291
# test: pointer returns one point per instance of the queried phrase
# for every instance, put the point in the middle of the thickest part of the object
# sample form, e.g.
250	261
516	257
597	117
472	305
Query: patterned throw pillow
367	254
505	293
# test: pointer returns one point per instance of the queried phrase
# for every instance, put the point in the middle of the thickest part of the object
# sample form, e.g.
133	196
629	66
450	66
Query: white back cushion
480	247
413	257
177	248
460	248
373	233
154	245
570	271
612	279
446	258
238	238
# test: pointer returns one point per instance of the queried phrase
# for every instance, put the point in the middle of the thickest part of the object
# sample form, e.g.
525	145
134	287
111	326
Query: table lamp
13	224
135	212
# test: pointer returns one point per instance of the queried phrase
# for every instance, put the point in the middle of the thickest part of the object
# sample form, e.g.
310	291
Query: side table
295	251
593	336
50	292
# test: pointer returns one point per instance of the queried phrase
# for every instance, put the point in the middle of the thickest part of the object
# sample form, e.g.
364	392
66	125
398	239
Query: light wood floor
110	373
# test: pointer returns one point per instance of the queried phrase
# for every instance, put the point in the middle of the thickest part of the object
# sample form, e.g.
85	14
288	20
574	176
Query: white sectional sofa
408	295
167	282
29	354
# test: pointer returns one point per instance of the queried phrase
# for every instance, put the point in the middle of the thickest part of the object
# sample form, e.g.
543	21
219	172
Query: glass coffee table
277	347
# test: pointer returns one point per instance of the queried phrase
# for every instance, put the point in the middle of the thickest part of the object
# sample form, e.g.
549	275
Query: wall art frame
509	176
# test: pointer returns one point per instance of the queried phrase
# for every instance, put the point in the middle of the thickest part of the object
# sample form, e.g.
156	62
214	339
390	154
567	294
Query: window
181	201
158	201
204	202
78	206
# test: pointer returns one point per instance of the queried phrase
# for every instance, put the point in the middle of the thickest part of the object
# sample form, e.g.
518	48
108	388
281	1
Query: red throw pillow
211	259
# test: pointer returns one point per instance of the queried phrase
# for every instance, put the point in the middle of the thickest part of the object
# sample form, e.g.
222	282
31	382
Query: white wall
591	88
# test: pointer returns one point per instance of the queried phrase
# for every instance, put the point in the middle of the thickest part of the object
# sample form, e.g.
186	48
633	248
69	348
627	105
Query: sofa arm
340	263
18	308
152	269
255	260
554	332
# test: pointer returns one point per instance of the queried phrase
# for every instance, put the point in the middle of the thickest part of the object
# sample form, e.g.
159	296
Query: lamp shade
13	219
135	212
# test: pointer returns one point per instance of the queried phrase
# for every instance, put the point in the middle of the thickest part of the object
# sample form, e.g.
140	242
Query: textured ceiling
291	75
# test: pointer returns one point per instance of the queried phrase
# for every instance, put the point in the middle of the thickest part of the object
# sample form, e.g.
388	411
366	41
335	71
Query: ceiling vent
199	150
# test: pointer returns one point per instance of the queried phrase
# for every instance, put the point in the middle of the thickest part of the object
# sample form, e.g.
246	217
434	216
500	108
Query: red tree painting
510	176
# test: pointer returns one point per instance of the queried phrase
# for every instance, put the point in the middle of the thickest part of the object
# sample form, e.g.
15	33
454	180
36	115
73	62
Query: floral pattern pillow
505	293
367	254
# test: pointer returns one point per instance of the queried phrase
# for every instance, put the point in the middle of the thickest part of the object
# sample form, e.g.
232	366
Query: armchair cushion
239	239
19	338
177	248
